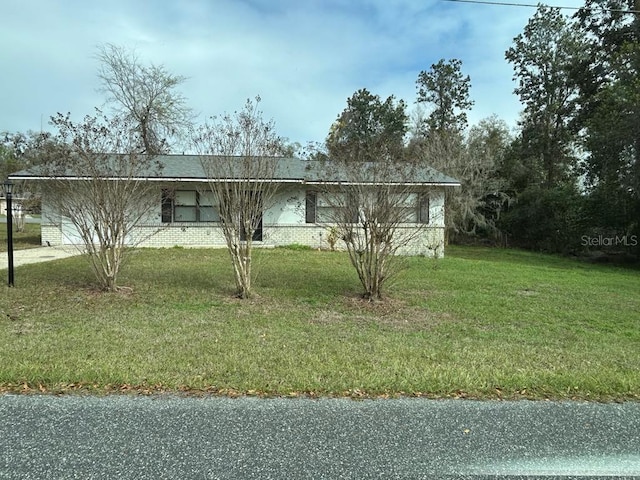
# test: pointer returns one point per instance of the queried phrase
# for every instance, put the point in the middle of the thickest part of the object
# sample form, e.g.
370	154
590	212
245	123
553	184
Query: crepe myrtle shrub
240	154
96	181
375	212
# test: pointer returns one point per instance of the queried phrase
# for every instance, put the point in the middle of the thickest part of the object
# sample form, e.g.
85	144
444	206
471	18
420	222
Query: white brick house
188	216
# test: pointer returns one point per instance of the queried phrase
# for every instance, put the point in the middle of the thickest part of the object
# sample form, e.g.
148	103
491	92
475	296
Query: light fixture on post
8	191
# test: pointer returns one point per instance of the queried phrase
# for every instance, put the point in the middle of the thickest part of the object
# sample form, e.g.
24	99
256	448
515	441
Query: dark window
188	206
423	208
257	233
310	207
354	207
167	206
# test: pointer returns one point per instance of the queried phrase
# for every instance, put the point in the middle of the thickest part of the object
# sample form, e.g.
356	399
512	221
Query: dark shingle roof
189	168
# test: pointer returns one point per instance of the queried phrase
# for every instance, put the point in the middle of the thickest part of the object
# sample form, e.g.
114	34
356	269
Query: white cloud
303	57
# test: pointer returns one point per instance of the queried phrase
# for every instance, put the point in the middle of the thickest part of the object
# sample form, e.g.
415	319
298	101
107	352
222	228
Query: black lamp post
8	190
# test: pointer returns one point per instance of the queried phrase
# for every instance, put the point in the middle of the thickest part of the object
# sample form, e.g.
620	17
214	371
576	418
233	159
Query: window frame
312	205
169	205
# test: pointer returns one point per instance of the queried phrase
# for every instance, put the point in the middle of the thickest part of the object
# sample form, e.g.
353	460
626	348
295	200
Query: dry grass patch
391	313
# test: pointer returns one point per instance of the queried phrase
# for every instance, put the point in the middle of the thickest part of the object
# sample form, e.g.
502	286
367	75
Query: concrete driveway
36	255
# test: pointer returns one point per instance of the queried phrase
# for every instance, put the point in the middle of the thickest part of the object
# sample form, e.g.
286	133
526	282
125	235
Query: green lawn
479	323
29	238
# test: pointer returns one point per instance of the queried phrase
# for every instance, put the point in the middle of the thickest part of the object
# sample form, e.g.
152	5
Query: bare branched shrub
240	157
378	210
96	181
374	195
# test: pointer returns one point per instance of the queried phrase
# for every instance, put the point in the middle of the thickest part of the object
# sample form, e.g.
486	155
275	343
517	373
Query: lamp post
8	190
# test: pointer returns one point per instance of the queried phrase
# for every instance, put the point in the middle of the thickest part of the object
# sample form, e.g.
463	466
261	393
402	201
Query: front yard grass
29	238
481	323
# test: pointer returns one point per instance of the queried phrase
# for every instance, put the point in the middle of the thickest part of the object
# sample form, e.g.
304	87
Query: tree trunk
241	260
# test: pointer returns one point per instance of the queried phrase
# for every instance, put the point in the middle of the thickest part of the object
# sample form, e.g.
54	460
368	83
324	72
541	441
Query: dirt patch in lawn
391	313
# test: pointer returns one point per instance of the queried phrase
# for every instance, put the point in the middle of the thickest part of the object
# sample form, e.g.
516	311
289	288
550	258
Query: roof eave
205	180
150	179
394	184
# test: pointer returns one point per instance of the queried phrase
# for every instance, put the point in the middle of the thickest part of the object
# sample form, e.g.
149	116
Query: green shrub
295	247
549	220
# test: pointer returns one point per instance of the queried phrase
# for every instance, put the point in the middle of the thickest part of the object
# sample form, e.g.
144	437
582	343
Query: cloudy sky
303	57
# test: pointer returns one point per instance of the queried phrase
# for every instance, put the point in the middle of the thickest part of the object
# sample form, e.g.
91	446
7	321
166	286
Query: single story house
188	216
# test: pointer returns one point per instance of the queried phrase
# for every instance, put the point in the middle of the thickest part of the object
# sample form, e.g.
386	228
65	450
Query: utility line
508	4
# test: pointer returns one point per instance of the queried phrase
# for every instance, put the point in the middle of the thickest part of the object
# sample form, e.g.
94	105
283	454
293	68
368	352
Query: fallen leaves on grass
25	388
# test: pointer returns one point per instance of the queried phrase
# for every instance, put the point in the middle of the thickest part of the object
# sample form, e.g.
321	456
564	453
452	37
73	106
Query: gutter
205	180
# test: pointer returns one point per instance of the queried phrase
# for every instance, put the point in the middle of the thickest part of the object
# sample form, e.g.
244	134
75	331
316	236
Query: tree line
568	174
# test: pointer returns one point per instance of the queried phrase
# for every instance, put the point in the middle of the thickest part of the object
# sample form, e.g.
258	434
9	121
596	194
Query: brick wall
429	242
51	234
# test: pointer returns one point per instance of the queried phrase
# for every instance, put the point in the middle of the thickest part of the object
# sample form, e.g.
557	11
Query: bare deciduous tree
240	157
97	182
474	161
145	95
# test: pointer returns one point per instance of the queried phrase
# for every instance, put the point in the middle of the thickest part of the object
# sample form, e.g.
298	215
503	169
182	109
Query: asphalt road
166	437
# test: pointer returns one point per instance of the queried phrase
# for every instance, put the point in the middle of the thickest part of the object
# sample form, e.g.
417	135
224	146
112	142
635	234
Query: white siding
283	224
287	207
